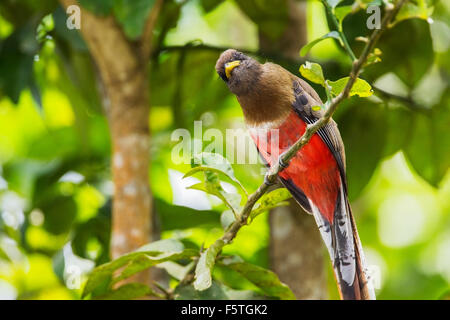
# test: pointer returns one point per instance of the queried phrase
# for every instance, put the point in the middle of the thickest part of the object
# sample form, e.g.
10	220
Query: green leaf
273	199
227	218
132	15
101	277
217	291
411	10
99	7
188	292
307	47
213	160
363	128
127	292
59	213
164	246
143	262
411	57
231	200
428	143
216	163
176	270
360	87
342	12
216	170
333	3
271	16
203	279
16	61
373	57
398	125
264	279
313	72
209	5
178	217
4	256
212	165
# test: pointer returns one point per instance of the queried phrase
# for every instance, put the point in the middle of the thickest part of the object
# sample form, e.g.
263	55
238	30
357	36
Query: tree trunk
296	250
123	73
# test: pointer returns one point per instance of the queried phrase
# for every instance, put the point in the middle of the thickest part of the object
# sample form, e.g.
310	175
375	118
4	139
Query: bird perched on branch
277	107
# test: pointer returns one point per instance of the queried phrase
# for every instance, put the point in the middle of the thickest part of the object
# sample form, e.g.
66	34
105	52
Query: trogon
277	108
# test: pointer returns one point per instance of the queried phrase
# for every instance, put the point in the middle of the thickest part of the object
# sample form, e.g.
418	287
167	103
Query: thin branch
338	28
196	45
147	35
311	129
167	293
405	100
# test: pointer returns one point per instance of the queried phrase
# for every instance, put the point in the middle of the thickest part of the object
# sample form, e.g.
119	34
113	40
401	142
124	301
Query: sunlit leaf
411	10
101	278
374	57
144	261
360	87
226	219
203	279
342	12
188	292
216	161
307	48
313	72
213	169
273	199
231	200
176	270
333	3
127	292
217	291
264	279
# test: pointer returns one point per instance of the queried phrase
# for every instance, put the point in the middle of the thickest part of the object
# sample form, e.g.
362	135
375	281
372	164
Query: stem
338	28
405	100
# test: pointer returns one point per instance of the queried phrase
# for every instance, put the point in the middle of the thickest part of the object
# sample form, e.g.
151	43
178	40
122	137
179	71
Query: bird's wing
305	99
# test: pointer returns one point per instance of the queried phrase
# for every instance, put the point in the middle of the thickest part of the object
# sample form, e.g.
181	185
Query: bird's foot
281	162
267	181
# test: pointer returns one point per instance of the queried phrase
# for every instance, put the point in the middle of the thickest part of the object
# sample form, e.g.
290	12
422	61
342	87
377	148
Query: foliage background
55	183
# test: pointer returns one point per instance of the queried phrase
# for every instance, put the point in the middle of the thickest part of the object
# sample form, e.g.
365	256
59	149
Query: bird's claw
267	182
281	162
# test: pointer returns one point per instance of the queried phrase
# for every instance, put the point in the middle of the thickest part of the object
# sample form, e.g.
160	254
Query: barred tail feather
343	244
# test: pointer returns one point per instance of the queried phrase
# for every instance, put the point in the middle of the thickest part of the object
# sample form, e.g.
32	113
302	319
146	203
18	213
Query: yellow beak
230	66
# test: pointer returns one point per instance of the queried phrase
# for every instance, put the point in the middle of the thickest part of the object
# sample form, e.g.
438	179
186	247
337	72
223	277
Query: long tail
364	285
343	244
342	240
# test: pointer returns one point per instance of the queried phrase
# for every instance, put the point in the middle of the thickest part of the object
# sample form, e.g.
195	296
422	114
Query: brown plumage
273	98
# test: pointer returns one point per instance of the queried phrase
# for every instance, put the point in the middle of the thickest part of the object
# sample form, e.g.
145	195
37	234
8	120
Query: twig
168	294
196	45
147	35
336	24
405	100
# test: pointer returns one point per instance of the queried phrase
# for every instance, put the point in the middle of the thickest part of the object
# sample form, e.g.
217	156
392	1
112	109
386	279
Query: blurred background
56	186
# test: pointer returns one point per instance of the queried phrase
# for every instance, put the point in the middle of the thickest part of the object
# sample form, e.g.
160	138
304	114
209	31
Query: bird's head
239	71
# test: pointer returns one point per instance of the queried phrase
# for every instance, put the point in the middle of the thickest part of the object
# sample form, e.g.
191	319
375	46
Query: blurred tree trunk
296	251
122	66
